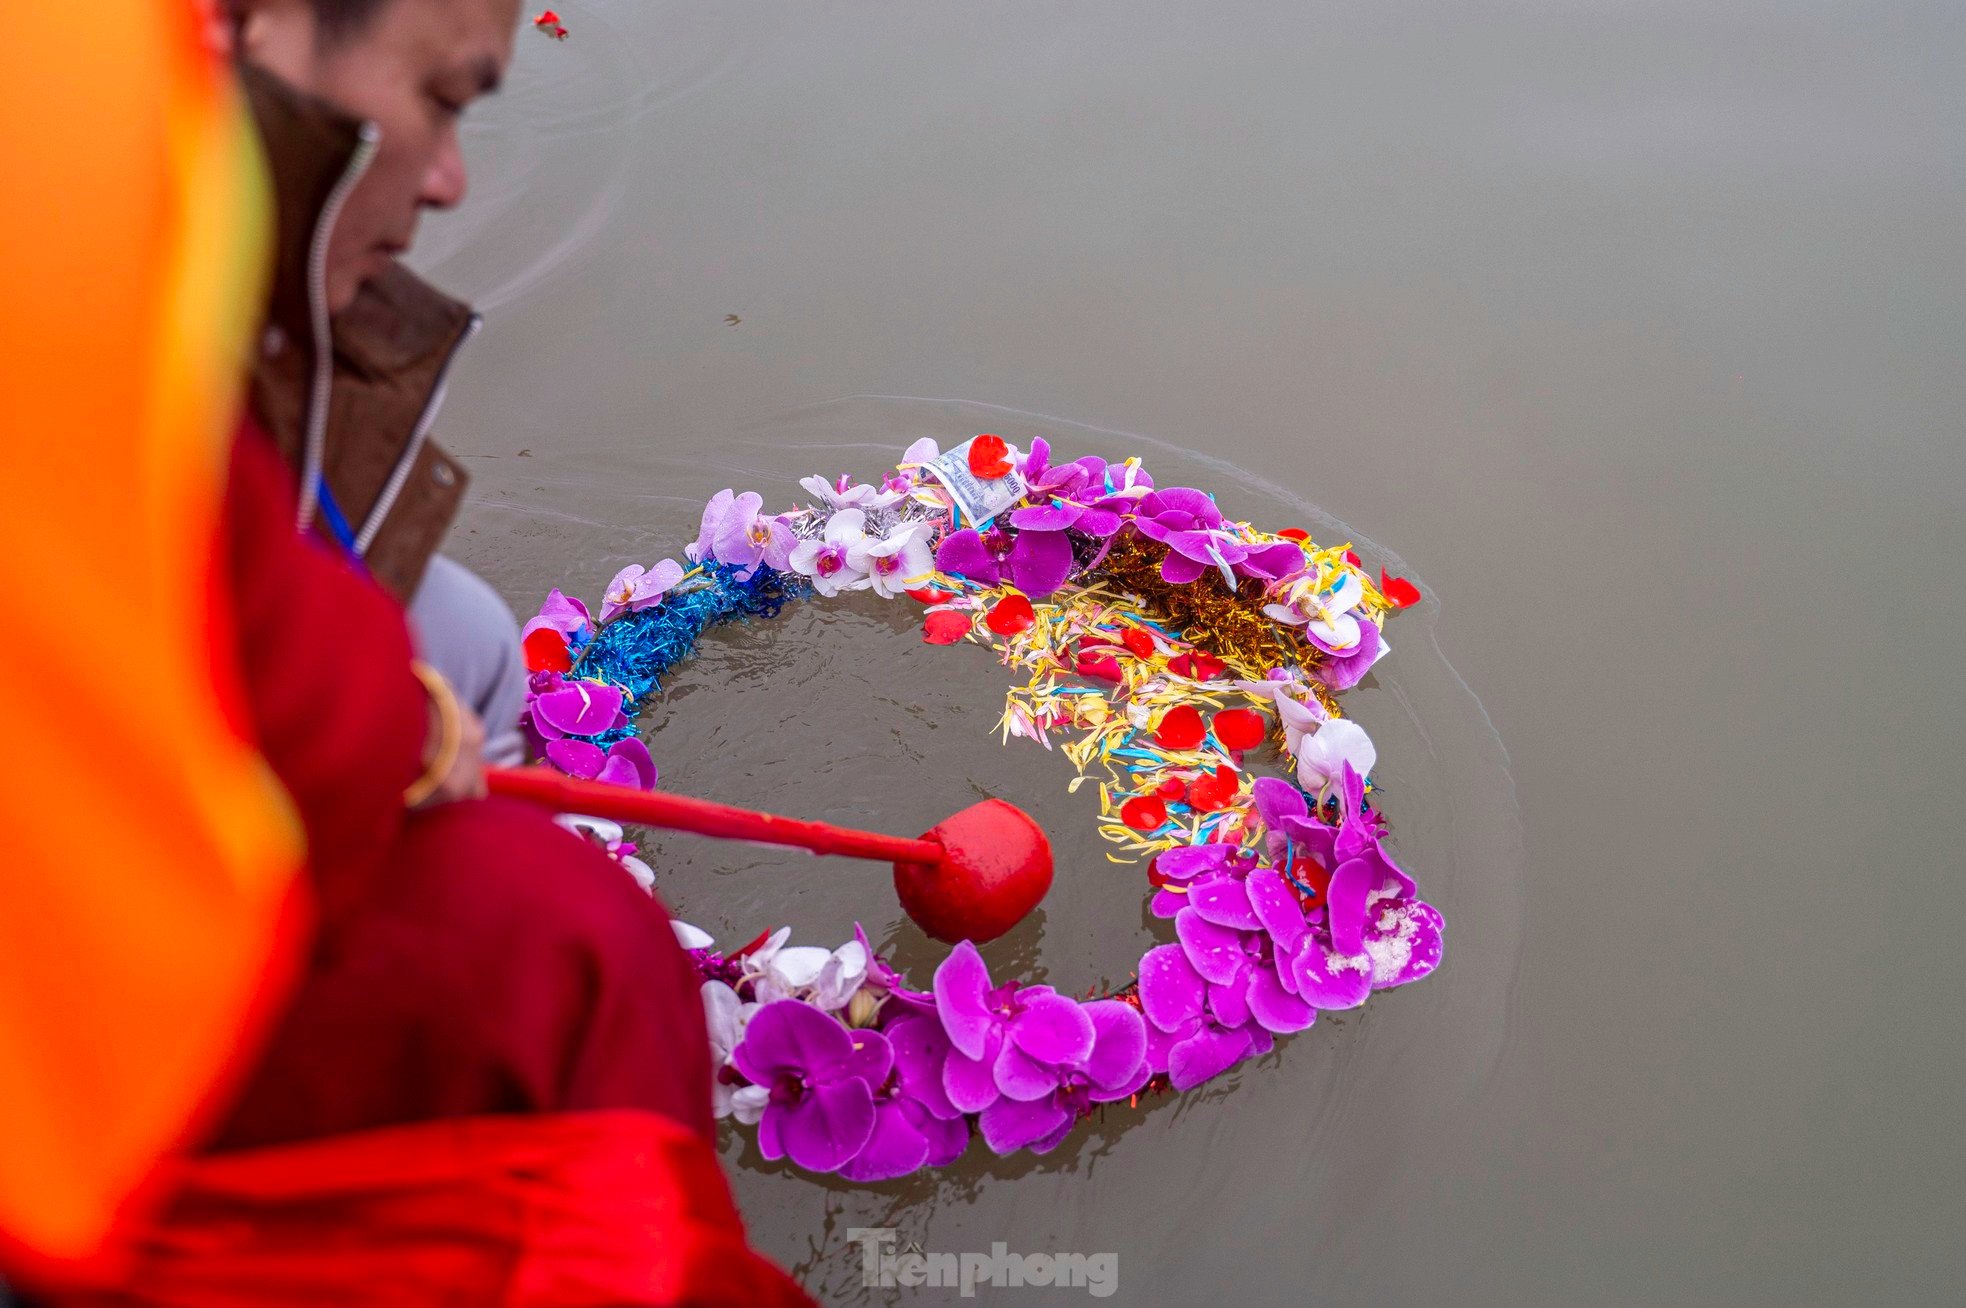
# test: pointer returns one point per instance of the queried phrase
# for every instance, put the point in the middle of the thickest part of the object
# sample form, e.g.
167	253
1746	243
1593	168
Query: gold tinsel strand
1228	624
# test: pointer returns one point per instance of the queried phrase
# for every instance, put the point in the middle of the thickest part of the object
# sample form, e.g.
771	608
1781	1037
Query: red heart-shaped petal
1196	666
1180	728
1100	667
1144	813
1240	728
1011	615
1170	789
946	626
1399	592
1139	641
989	457
1206	794
546	651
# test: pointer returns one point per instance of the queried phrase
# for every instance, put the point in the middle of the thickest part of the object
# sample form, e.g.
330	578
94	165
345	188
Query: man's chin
343	288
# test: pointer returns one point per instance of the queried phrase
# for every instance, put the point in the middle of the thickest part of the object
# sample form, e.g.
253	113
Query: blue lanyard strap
337	520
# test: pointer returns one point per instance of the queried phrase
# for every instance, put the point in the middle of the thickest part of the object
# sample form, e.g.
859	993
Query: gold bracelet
450	739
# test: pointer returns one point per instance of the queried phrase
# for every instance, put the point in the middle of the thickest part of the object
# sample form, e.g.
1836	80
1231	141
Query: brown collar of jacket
363	420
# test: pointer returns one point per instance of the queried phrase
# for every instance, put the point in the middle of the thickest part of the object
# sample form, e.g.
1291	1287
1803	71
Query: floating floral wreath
1162	643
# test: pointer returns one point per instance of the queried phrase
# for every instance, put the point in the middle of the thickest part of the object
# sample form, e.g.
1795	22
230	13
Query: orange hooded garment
147	890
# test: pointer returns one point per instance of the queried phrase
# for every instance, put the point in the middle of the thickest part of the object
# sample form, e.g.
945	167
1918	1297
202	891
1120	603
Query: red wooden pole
705	817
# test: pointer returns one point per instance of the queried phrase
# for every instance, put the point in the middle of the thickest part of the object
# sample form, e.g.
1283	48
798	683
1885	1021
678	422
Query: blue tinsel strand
636	649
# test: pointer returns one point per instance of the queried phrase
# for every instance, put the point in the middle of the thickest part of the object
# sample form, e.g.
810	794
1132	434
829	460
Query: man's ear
278	35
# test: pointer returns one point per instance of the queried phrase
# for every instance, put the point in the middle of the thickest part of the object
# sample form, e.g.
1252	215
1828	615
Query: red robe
540	1211
493	1083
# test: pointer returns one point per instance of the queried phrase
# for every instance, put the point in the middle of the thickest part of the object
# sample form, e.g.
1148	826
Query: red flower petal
946	626
1180	728
546	19
1197	666
546	651
1400	592
756	941
1144	813
1155	877
1240	728
1010	615
989	457
1311	873
1100	667
1139	641
927	595
1170	789
1353	559
1294	533
1207	794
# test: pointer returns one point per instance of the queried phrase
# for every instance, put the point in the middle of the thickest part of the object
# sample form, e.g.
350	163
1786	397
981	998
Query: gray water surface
1631	330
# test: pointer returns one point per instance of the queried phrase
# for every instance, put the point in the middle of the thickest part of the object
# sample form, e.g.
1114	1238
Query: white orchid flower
840	977
726	1016
609	836
1323	608
598	829
790	972
1300	718
861	496
644	874
897	564
828	562
1321	757
691	937
747	1103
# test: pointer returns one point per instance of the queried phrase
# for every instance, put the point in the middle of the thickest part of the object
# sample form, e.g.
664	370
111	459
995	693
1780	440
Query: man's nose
444	182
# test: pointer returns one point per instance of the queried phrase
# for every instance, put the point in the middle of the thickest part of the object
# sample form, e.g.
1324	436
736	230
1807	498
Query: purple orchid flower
735	532
1042	1100
989	1026
1342	671
625	763
1271	562
635	588
1040	476
1037	562
1248	974
820	1077
1185	1038
576	708
1090	479
1198	538
915	1125
564	614
1189	870
1360	868
883	978
1188	523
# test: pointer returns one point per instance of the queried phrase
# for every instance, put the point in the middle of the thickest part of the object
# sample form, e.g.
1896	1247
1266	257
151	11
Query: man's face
412	68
